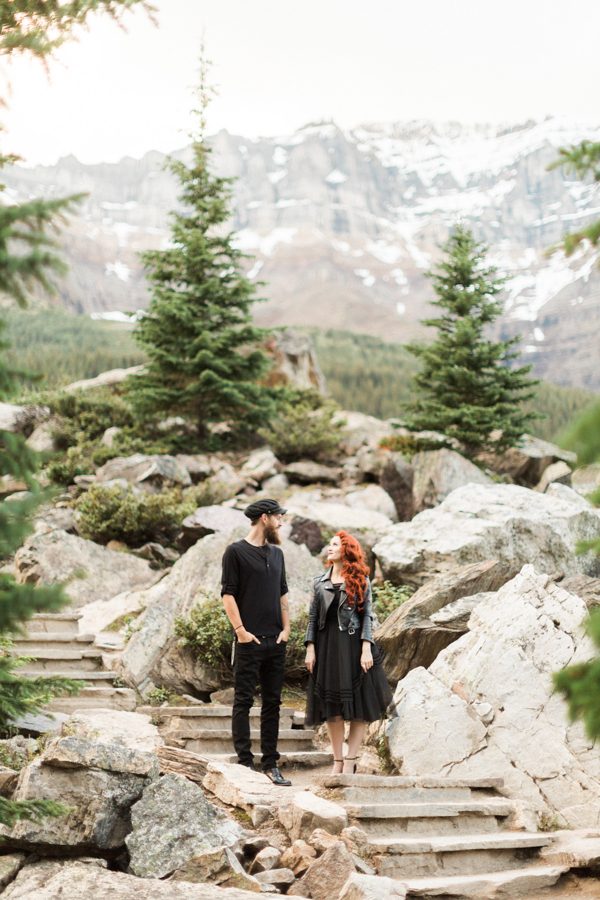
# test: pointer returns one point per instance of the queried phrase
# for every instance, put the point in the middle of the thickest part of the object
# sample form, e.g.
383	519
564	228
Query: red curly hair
355	571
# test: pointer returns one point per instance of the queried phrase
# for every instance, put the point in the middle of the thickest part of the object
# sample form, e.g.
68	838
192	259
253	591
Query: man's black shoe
248	765
276	777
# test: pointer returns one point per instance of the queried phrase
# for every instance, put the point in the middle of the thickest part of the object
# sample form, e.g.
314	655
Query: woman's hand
311	658
366	657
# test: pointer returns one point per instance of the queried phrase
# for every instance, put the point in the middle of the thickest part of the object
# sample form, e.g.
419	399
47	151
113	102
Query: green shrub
208	633
65	468
409	444
159	695
86	416
111	513
387	597
304	429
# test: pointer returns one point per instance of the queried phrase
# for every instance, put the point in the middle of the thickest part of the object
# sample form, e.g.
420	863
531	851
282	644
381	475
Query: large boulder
360	430
210	520
332	516
154	654
74	879
372	497
410	636
502	521
396	476
294	362
21	419
152	473
260	465
486	706
526	463
173	822
586	479
97	781
439	472
305	471
89	571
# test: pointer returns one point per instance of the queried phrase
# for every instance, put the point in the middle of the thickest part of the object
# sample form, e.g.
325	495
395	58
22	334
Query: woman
347	682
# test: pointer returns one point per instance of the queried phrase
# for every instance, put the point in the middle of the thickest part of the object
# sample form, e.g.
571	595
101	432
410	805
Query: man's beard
272	534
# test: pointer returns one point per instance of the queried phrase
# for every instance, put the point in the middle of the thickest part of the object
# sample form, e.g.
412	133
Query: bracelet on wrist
238	628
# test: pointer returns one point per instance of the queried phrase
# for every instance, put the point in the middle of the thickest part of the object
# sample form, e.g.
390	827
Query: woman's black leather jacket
349	618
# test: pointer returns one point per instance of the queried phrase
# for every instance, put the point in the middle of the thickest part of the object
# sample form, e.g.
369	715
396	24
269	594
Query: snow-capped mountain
343	225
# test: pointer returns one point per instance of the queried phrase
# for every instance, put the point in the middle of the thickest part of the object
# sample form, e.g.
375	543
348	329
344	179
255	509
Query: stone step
455	854
301	759
95	698
44	662
206	711
494	806
52	622
519	883
54	640
190	729
220	741
100	678
404	781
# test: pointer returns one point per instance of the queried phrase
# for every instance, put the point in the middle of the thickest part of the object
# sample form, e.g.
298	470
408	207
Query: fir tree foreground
466	388
29	257
204	360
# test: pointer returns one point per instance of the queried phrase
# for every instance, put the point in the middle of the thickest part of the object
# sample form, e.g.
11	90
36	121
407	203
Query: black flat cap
270	507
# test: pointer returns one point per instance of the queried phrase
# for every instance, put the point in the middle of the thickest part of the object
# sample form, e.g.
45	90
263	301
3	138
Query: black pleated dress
338	687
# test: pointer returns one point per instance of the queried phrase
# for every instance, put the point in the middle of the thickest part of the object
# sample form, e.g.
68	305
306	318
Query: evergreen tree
466	387
197	332
582	160
28	256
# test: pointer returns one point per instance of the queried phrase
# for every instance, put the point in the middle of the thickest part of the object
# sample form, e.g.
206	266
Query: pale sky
279	64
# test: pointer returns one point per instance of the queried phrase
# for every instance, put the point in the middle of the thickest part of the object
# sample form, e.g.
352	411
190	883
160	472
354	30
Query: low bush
387	597
409	444
304	429
111	513
208	633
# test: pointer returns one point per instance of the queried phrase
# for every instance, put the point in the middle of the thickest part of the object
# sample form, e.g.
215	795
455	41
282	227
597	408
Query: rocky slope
342	226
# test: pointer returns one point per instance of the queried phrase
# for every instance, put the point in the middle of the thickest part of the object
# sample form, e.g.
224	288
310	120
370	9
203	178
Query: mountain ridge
343	224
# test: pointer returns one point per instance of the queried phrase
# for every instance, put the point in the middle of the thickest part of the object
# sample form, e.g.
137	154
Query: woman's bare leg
355	739
335	727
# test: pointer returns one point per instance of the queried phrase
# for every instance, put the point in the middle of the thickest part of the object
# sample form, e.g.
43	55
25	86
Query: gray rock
278	877
149	472
294	363
261	465
209	520
439	472
505	522
396	476
586	479
41	438
412	637
525	464
372	887
199	466
108	438
306	471
98	803
360	430
558	472
218	867
72	880
456	615
372	497
326	877
172	823
8	781
90	572
73	752
276	485
9	867
105	379
22	419
487	708
305	531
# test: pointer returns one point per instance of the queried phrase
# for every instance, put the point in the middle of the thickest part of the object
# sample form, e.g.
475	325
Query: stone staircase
206	730
443	837
56	648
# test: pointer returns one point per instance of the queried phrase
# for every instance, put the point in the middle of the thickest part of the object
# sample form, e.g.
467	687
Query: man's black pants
254	664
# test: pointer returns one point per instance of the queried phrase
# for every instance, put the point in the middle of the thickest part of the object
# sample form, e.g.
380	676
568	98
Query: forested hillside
362	372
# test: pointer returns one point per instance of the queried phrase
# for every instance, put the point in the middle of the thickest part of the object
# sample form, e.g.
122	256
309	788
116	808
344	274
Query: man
255	597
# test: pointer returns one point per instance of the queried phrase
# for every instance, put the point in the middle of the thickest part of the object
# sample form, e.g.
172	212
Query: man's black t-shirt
255	576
